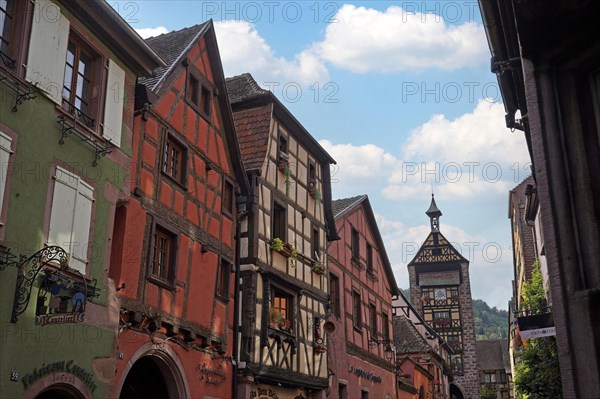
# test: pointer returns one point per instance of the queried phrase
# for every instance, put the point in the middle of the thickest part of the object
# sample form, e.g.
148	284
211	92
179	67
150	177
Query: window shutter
81	226
70	217
5	152
48	49
113	108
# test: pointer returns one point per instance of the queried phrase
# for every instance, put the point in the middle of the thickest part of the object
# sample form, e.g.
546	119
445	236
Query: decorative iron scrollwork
101	147
25	279
22	93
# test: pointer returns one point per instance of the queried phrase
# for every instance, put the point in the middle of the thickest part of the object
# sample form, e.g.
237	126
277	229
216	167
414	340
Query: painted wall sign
42	320
446	278
364	374
210	376
269	392
64	371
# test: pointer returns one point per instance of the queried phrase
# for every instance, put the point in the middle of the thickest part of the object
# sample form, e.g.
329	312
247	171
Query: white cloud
244	50
469	156
151	32
359	168
367	40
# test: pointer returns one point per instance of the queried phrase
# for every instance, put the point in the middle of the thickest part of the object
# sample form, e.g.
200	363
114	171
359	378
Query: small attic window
198	94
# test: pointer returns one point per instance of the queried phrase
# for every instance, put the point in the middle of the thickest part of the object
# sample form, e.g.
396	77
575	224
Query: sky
400	93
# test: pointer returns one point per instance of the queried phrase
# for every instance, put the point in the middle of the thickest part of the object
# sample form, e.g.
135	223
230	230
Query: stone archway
151	377
60	391
456	392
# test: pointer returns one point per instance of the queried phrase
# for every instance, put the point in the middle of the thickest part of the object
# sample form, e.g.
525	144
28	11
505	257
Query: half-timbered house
361	288
284	290
173	248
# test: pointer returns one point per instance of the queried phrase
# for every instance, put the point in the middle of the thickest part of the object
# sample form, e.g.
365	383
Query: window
205	103
373	319
283	145
356	310
5	151
174	160
364	395
227	205
354	244
334	294
343	391
7	15
312	171
70	217
369	257
198	94
281	310
162	255
489	376
314	243
223	278
78	82
193	90
385	326
279	225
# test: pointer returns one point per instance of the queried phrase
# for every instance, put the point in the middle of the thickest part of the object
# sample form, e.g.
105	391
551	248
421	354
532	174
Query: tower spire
434	215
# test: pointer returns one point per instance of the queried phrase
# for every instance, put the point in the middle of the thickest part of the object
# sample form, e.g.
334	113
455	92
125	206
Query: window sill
222	298
172	179
81	127
161	283
198	110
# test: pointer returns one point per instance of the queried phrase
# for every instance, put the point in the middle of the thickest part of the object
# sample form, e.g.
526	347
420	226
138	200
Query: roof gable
253	127
172	47
437	249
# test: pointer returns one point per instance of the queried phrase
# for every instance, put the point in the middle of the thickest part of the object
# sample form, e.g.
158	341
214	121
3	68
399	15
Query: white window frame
71	220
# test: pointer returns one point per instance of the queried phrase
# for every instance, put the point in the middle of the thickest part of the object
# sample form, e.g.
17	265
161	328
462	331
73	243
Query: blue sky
400	94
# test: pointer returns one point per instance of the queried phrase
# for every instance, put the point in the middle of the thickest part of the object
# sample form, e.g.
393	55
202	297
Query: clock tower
440	291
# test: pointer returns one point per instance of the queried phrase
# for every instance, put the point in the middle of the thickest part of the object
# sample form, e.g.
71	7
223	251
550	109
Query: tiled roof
252	127
243	87
170	46
493	355
341	205
408	339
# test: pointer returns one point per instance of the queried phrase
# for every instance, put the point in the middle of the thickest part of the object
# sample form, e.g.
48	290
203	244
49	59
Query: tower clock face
440	294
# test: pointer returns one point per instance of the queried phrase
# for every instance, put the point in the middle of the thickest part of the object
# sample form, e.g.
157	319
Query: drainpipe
241	200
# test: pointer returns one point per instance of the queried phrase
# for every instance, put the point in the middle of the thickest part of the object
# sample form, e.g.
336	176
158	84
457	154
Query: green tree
537	374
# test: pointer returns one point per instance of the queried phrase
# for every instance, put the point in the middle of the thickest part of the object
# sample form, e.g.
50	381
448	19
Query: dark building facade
546	58
441	292
493	364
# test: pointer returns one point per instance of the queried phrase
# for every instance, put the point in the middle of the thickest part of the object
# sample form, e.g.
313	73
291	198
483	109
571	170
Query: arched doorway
60	392
150	378
455	392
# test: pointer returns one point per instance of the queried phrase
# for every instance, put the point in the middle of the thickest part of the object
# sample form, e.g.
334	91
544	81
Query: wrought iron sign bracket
21	94
101	147
26	278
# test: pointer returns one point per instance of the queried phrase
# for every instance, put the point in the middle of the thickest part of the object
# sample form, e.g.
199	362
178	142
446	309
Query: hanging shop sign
62	371
43	320
536	326
364	374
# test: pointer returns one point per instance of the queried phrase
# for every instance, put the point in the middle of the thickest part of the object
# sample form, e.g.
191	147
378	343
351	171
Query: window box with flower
317	267
284	248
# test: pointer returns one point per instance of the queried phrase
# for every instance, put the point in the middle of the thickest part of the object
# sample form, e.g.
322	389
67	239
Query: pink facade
361	290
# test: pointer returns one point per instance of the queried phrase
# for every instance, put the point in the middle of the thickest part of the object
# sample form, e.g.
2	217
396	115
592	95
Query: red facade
173	250
362	286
